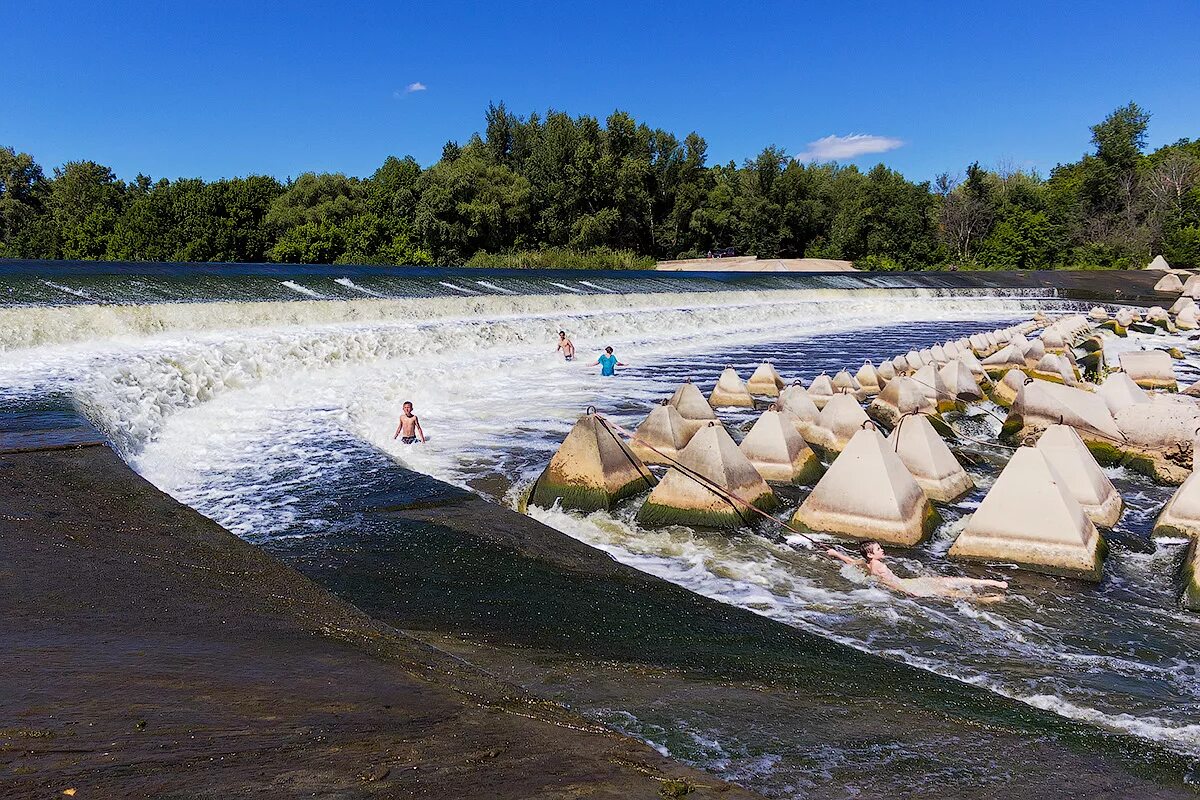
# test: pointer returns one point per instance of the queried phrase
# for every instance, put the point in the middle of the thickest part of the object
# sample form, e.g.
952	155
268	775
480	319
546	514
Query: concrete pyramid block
1002	360
840	419
1158	263
1119	392
901	365
820	390
930	380
929	460
730	391
1029	518
1099	313
915	359
704	490
1040	404
1007	388
1033	352
901	396
765	381
1180	517
1150	369
1157	438
592	469
1169	283
868	493
844	382
1191	287
868	379
1182	303
692	406
960	382
779	452
885	371
1188	319
1053	340
1056	368
1082	476
662	435
938	354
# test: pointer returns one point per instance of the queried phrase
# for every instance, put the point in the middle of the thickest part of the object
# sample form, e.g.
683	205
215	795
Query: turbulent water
269	414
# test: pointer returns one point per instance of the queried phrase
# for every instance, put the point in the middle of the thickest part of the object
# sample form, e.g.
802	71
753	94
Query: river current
268	411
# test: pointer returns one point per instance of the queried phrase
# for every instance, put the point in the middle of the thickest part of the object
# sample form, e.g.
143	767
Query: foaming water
263	430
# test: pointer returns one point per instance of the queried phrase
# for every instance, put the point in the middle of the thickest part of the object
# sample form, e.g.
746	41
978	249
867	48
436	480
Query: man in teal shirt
608	362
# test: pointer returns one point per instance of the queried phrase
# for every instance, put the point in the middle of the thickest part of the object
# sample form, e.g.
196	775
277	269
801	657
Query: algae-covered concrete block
868	493
1040	404
1029	518
711	490
1005	391
960	382
592	470
1180	517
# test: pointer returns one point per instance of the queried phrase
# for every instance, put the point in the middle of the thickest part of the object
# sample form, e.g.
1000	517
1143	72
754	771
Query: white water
304	290
349	284
237	424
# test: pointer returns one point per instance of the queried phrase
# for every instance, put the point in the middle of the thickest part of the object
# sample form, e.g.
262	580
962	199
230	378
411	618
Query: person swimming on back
872	564
409	428
608	362
566	345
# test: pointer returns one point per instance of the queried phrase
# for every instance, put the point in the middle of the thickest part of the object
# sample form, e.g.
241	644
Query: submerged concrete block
868	493
704	490
1150	369
1084	479
1040	404
1029	518
1191	577
779	452
1157	438
765	381
869	379
940	394
1099	314
592	469
730	391
662	435
929	460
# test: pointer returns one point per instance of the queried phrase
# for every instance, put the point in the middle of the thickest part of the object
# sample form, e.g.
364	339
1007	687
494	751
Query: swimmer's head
562	334
407	407
608	350
870	550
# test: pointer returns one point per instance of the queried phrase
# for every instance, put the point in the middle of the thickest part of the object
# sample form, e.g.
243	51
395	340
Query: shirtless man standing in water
566	345
409	426
872	563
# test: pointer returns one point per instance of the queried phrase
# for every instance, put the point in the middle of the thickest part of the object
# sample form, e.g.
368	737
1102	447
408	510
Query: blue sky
219	89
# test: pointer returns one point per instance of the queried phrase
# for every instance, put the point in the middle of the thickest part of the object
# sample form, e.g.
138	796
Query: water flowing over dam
266	398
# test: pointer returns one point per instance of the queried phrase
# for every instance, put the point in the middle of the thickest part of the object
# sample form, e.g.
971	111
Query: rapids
263	412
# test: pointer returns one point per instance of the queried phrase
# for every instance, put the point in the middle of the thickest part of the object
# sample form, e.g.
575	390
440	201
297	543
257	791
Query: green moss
1105	453
1191	579
1013	425
656	515
930	521
1175	353
1141	464
1115	327
1092	344
584	498
811	472
942	427
1000	401
676	788
1143	327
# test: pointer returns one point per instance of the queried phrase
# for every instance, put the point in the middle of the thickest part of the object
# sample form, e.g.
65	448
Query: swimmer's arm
421	433
399	428
845	559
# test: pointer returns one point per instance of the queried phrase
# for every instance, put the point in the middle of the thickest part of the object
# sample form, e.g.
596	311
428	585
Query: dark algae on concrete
147	652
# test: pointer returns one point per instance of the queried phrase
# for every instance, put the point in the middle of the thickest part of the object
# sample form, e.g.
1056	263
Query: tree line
570	191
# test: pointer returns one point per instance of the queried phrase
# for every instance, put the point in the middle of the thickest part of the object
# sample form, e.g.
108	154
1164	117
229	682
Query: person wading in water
566	345
409	429
608	362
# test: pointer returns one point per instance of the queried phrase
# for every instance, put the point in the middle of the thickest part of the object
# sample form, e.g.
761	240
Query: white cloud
841	148
415	86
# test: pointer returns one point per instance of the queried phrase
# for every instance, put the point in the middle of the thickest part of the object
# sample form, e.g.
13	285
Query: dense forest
570	191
